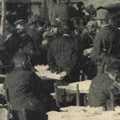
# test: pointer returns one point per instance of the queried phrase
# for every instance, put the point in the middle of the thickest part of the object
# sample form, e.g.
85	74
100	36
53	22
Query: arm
74	58
51	60
97	48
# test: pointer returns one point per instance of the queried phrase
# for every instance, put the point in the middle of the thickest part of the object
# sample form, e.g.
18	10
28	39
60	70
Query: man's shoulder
102	77
108	29
19	73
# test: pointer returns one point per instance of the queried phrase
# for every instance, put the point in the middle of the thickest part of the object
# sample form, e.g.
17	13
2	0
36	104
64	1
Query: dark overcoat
99	93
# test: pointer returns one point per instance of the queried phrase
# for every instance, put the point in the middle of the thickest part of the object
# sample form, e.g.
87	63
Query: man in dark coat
80	12
107	40
26	90
11	42
88	35
99	92
63	54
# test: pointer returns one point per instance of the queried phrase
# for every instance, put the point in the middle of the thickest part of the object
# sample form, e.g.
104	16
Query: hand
86	52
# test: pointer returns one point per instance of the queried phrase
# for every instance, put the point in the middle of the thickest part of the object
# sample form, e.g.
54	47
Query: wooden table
75	90
83	113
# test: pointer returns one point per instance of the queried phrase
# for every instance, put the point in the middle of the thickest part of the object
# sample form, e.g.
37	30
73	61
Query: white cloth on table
44	72
83	86
84	113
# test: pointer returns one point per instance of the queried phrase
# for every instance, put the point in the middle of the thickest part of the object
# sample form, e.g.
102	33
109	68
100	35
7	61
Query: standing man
107	40
81	7
88	35
63	55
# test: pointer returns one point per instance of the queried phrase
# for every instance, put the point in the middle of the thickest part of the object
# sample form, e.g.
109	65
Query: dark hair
19	58
80	4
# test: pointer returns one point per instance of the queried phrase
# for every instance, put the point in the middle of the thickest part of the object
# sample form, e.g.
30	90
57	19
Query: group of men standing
70	45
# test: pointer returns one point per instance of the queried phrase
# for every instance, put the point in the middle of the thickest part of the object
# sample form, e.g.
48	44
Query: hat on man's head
20	21
103	14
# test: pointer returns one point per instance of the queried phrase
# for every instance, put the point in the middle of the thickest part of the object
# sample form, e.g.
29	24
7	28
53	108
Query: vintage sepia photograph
59	59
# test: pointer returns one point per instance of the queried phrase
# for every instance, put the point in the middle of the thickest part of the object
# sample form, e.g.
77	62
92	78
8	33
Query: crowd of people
83	42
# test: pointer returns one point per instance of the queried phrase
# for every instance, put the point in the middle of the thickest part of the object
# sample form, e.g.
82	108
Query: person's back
101	86
20	85
99	90
63	50
26	90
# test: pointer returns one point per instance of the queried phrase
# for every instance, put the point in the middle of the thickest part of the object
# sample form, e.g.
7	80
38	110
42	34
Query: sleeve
35	83
39	87
74	58
84	39
51	60
97	48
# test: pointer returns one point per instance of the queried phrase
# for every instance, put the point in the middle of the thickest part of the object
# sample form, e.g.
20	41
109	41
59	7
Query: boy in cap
26	90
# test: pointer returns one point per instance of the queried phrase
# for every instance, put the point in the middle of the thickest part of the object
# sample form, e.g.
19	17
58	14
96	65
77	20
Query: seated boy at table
26	91
99	92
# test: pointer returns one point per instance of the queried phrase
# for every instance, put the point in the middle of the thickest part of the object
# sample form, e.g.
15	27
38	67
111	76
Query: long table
72	88
84	113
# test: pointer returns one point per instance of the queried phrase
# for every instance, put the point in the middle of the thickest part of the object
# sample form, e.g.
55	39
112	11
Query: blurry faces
92	29
81	7
39	26
19	27
54	29
99	24
33	26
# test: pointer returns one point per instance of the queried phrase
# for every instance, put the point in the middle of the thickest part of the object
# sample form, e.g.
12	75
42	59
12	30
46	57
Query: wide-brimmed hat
20	21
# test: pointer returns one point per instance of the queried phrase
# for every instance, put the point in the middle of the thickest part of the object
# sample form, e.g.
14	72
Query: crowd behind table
83	43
